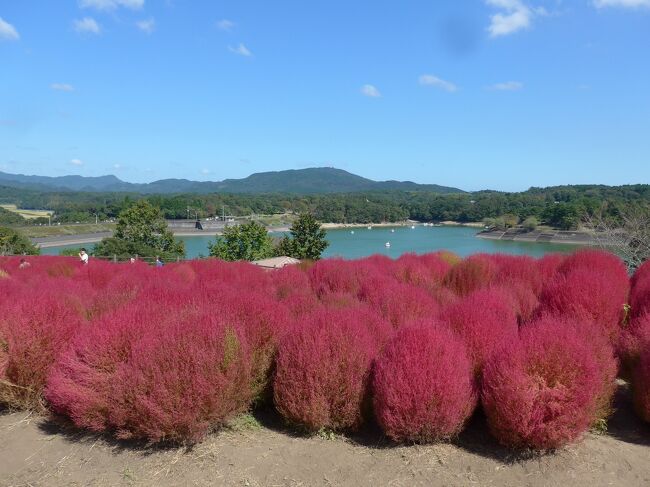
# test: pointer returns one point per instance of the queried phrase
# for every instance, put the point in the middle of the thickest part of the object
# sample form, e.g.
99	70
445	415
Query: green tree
530	224
12	242
308	239
249	241
141	230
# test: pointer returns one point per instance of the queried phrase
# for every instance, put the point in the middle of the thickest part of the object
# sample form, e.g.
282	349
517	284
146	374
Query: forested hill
560	207
317	180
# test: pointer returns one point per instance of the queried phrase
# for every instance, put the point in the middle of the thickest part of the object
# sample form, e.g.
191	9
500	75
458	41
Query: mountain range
316	180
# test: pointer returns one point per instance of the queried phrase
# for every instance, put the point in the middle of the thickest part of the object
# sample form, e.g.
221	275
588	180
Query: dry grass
28	214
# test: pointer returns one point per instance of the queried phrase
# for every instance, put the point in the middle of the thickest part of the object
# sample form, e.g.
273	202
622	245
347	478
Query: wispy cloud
7	31
241	49
205	171
147	26
87	25
508	86
431	80
371	91
62	87
111	4
77	162
225	25
622	3
514	16
117	167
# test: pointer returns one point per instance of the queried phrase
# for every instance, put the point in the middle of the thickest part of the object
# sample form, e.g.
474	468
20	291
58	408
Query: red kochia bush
484	319
640	293
602	351
155	374
472	273
322	371
587	295
423	385
549	265
641	382
34	330
518	270
541	391
399	303
426	271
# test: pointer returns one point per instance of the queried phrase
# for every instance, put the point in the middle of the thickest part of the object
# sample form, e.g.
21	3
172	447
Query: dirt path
260	452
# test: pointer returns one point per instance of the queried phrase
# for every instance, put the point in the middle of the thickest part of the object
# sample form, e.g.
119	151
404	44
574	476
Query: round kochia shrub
586	295
484	319
322	370
641	382
542	391
155	374
423	385
34	330
472	273
640	293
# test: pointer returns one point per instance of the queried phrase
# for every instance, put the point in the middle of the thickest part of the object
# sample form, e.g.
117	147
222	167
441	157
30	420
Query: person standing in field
83	256
159	262
24	264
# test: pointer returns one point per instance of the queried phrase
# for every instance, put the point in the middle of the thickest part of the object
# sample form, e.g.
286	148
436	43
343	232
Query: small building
276	262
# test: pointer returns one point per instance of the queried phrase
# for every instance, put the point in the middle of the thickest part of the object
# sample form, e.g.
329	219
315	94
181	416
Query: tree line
560	207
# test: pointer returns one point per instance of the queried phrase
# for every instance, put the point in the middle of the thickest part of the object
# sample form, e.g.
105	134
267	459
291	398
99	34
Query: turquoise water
421	239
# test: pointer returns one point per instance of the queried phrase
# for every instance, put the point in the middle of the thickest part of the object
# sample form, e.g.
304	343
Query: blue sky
500	94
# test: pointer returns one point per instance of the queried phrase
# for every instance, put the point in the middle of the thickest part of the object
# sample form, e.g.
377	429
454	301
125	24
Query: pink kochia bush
641	382
150	374
34	329
589	286
542	391
423	385
485	320
167	355
322	370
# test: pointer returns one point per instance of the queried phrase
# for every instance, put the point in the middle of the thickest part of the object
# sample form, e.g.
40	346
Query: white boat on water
352	232
412	227
387	245
369	228
392	230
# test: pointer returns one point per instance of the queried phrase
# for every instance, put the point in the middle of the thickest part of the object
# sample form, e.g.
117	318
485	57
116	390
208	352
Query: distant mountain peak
313	180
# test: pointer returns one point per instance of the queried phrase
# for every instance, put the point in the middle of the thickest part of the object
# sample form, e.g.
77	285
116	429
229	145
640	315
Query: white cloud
117	167
205	172
241	49
508	86
77	162
225	24
62	87
111	4
147	26
622	3
87	25
515	15
431	80
371	91
8	31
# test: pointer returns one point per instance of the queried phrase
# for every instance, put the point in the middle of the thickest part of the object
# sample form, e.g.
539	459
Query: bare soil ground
260	451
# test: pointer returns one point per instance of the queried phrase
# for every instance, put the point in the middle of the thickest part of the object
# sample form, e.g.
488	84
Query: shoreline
555	237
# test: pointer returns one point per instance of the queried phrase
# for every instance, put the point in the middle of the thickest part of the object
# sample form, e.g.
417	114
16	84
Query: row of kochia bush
417	344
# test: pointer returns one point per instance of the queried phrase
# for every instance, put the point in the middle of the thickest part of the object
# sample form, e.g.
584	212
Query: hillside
317	180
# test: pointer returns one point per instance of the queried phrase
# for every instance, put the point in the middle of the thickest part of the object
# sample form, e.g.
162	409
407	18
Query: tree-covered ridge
315	180
561	206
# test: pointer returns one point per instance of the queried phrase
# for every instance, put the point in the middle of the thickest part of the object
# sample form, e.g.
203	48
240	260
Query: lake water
421	239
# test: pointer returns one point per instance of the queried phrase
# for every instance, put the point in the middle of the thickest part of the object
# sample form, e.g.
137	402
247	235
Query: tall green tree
141	230
249	241
13	242
308	239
